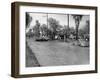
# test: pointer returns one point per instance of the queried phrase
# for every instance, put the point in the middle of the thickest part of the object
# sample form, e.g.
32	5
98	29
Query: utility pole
68	27
47	23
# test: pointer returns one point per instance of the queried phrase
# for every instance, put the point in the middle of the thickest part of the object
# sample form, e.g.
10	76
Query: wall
5	40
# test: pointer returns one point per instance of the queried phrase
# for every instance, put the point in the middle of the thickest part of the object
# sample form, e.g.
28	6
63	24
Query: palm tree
77	22
28	19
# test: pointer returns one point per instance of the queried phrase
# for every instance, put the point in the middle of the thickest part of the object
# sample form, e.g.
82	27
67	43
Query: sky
38	16
82	22
62	18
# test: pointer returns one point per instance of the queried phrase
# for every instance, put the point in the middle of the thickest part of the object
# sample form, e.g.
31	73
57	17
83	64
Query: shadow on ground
31	59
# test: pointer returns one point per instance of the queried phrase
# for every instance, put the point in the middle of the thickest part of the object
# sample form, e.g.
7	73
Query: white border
37	70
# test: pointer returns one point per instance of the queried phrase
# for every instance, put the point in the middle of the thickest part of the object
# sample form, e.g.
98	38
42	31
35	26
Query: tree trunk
64	38
77	32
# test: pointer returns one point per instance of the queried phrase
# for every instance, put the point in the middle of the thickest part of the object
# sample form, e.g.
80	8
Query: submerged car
43	38
83	43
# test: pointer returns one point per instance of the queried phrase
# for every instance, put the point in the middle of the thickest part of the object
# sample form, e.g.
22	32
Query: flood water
55	53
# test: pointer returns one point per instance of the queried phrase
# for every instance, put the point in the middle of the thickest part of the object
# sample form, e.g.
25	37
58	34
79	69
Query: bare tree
44	30
65	32
54	24
37	29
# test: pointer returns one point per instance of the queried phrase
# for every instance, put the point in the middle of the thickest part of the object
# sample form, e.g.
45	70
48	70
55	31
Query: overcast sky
82	22
62	18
